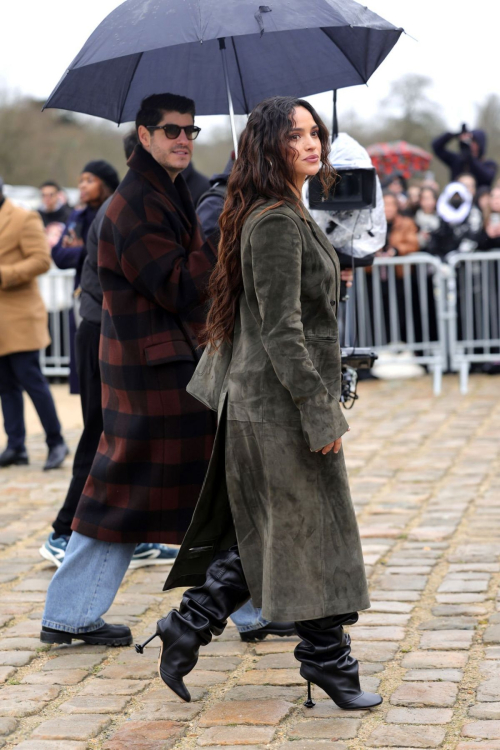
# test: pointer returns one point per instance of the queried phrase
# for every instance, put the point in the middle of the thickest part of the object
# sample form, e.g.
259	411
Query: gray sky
457	46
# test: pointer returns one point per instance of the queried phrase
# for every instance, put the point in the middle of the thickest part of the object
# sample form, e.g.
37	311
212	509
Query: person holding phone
97	182
470	157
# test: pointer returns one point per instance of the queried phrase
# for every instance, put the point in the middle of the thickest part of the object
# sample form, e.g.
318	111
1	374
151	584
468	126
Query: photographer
472	145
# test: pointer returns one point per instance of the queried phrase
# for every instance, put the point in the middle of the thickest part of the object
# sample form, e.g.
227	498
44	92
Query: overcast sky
457	47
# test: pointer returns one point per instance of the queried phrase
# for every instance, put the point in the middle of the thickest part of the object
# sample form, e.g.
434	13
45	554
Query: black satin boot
326	661
203	612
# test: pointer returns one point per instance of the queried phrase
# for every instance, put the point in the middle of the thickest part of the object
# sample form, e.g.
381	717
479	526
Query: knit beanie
104	171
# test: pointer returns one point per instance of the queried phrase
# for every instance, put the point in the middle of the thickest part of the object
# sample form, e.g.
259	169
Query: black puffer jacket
91	295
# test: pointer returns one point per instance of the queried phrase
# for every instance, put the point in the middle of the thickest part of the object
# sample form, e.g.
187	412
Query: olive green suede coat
277	393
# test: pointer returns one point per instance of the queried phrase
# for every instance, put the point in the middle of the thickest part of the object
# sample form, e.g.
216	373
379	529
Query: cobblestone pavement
425	473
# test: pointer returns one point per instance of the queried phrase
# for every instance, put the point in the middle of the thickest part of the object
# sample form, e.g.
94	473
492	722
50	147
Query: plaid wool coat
157	439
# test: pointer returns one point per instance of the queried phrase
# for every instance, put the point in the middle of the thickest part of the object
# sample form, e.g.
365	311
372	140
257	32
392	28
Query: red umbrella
399	157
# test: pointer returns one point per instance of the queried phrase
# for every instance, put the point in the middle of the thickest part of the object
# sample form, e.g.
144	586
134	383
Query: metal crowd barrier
445	315
56	288
399	306
473	310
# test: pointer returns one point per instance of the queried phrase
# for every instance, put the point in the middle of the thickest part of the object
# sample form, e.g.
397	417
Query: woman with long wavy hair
275	519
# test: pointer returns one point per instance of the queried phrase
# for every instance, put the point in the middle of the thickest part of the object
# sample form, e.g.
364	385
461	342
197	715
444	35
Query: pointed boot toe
326	661
363	701
203	612
176	685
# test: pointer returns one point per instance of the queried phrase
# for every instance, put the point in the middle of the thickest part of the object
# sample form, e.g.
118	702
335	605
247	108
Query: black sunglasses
174	131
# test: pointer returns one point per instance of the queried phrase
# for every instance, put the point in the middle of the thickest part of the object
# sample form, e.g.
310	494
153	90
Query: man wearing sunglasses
156	442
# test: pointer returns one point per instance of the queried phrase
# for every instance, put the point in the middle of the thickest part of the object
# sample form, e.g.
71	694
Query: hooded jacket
459	163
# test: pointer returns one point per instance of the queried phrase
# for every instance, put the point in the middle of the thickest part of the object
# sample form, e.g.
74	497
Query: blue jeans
248	618
21	371
85	585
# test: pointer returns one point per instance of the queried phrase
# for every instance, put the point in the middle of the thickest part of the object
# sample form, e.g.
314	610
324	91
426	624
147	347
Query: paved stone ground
425	475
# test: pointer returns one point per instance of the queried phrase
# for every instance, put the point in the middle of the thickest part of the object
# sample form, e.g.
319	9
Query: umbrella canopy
289	47
399	157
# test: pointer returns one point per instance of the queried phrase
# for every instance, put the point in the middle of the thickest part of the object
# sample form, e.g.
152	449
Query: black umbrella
290	47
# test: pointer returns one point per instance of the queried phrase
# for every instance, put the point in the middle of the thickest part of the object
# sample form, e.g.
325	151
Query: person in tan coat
24	255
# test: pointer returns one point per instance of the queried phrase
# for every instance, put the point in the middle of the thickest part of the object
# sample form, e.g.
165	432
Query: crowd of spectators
463	217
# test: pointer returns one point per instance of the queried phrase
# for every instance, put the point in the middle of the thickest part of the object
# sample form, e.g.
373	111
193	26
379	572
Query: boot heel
309	702
139	647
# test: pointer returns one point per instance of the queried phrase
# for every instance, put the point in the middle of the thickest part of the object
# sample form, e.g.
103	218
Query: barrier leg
464	378
438	379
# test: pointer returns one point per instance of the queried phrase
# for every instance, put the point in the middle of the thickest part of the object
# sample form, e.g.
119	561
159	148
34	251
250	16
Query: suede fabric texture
277	393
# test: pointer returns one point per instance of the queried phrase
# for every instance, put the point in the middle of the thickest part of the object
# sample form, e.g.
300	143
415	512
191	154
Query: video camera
355	190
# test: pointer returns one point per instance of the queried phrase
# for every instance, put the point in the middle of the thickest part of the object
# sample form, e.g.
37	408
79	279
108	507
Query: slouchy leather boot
326	661
203	612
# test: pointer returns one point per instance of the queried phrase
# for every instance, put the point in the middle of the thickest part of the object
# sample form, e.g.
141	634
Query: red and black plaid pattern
157	439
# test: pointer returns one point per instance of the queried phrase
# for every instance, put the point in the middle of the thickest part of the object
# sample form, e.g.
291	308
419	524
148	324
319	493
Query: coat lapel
321	237
186	205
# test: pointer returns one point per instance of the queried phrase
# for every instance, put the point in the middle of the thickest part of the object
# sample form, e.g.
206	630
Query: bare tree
415	117
488	119
36	146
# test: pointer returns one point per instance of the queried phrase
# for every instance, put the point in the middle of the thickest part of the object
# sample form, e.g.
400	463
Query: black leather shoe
14	457
272	628
108	635
56	456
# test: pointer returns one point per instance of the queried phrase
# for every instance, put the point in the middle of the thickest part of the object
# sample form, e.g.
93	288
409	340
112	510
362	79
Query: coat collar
6	213
177	193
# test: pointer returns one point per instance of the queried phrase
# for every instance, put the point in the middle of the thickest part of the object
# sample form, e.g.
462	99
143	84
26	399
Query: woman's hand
335	446
347	275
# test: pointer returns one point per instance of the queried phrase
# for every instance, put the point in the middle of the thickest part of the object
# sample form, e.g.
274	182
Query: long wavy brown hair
263	171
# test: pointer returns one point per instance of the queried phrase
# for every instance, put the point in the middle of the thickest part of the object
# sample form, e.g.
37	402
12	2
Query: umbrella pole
335	124
222	47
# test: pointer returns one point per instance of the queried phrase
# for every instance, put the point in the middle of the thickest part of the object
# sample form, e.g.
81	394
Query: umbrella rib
347	58
128	87
245	103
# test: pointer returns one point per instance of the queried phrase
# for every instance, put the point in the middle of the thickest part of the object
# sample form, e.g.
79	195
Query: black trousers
87	362
20	372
